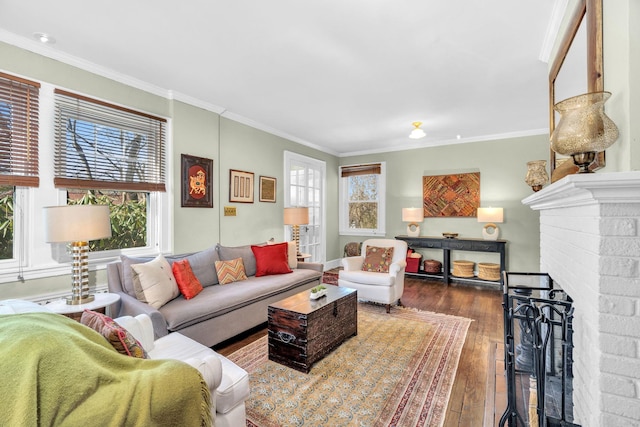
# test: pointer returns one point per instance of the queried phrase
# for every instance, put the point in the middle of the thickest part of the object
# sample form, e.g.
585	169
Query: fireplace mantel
587	189
590	246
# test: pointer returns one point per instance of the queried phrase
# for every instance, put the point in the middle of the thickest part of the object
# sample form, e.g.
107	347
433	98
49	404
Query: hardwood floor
483	305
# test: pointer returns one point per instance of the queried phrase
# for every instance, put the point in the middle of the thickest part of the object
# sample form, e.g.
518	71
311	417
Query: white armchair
227	382
384	288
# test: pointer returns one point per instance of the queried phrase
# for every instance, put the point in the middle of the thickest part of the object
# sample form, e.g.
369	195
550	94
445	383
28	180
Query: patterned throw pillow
117	336
187	281
377	259
230	271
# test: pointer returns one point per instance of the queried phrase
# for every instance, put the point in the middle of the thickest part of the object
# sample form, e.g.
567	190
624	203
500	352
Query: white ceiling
348	76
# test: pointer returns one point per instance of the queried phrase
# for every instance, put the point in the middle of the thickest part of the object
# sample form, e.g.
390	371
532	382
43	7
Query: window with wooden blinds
368	169
104	146
18	131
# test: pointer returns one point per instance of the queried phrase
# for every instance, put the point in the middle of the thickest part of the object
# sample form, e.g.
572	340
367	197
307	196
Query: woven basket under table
462	268
488	271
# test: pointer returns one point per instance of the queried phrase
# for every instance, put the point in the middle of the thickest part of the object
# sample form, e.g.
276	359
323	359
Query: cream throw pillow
292	254
154	283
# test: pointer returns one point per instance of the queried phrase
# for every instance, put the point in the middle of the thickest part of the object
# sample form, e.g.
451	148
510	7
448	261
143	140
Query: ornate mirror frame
591	11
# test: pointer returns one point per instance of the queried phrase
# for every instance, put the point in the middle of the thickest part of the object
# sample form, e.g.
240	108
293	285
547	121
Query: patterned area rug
330	277
398	371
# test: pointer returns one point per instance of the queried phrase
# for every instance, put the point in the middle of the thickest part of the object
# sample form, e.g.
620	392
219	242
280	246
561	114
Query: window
110	155
101	153
18	150
99	145
362	199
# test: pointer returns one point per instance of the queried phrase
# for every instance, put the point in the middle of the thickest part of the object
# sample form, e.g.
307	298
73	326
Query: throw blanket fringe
57	372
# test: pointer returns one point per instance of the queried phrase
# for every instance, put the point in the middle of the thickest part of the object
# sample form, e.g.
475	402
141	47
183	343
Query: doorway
305	186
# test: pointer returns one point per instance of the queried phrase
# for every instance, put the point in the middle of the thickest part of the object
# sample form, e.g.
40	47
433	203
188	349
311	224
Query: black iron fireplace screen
538	351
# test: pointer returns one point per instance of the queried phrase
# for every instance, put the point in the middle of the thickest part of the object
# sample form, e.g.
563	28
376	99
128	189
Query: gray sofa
218	312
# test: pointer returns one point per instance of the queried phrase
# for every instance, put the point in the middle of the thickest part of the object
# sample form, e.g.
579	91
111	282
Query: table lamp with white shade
77	224
295	217
413	216
491	216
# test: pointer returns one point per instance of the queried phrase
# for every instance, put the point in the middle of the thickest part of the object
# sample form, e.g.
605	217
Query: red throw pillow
271	259
188	283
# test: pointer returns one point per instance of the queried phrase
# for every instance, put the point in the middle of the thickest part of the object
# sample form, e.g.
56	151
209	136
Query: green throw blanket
56	372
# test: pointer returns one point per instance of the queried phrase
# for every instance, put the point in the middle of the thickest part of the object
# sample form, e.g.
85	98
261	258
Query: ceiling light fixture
44	38
417	133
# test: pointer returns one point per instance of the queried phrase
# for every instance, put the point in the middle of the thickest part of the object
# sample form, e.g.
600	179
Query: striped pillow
230	271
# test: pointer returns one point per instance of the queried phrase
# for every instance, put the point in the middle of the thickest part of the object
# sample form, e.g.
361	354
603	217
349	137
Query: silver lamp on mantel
583	129
77	224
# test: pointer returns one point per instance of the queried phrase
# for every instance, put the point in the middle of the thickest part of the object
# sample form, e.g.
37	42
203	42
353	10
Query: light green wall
248	149
502	167
233	145
195	132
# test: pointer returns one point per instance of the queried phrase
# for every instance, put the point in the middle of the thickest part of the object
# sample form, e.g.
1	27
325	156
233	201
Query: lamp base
77	300
490	232
413	230
79	274
584	160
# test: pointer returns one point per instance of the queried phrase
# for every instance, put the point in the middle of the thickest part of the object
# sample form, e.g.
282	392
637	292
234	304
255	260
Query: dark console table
448	245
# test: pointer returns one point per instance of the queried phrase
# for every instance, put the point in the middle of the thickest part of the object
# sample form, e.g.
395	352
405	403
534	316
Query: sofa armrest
352	263
311	266
397	267
211	369
140	327
129	306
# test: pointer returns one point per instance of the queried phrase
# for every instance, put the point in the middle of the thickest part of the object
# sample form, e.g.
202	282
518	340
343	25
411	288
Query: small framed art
267	189
196	174
240	186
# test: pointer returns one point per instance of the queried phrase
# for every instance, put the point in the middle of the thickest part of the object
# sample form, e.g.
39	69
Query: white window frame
344	228
33	257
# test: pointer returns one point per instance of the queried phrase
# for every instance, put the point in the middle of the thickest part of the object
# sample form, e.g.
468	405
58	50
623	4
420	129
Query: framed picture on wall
454	195
267	189
240	186
196	174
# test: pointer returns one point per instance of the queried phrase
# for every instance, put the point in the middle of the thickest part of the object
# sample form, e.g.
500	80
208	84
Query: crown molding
241	119
437	143
550	36
52	53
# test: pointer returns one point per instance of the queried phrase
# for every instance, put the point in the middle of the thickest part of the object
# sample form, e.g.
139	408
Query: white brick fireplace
590	246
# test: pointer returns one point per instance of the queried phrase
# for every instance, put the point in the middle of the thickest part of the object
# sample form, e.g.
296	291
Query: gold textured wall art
454	195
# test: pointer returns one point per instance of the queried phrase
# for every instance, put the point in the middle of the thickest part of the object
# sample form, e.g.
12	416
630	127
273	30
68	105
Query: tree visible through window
19	115
362	199
128	214
113	156
6	222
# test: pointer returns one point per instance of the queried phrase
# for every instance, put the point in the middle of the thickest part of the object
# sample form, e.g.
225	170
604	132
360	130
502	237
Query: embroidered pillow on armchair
377	259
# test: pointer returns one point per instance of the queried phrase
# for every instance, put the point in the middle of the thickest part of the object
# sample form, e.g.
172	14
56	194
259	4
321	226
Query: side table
99	304
302	257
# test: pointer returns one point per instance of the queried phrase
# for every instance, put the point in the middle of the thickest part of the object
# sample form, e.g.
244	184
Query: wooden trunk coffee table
303	331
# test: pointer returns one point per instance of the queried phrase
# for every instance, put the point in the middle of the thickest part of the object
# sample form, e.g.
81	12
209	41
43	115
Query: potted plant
318	291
